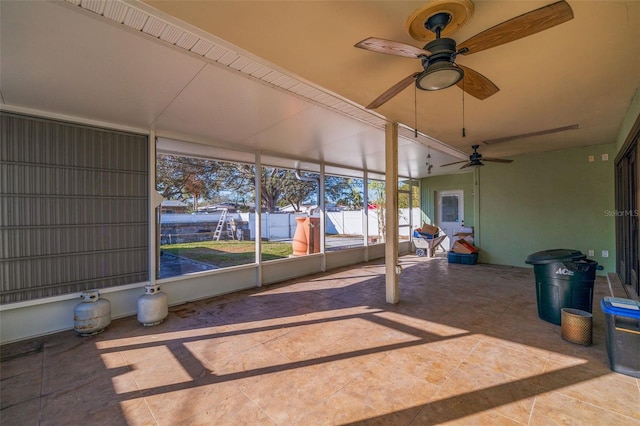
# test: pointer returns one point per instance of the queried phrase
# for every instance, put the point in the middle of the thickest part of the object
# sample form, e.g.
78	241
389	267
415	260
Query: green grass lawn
228	253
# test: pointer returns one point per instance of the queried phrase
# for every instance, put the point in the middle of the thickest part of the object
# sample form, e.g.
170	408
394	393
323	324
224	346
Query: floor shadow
501	304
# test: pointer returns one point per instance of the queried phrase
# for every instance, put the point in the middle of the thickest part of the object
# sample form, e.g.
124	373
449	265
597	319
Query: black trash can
564	279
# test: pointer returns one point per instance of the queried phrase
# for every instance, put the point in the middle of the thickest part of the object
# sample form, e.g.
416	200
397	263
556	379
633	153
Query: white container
153	306
92	315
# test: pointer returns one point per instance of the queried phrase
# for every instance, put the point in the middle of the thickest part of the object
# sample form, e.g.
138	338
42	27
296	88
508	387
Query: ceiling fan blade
519	27
393	90
391	47
451	164
478	163
531	134
496	160
476	84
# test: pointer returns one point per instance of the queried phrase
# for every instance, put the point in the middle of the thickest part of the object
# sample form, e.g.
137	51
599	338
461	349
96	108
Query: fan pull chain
415	111
464	132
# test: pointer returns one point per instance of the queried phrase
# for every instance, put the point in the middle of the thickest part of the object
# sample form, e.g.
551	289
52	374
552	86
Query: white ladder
220	226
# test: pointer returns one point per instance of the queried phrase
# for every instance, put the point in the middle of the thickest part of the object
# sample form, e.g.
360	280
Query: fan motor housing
442	49
439	45
475	156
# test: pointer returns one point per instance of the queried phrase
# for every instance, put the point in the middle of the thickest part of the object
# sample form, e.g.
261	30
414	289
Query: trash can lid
550	256
620	306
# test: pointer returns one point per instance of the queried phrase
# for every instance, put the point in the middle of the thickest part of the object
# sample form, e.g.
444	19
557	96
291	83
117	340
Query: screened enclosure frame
219	153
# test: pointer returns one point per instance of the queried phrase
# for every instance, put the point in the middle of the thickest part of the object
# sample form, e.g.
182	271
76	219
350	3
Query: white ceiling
284	77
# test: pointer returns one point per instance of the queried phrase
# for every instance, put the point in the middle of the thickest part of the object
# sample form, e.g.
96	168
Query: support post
476	206
392	269
154	224
258	224
365	216
323	219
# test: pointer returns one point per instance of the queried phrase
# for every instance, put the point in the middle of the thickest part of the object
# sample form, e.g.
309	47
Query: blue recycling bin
622	334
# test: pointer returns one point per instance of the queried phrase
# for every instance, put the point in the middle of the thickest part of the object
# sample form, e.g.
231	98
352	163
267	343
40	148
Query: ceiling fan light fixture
439	75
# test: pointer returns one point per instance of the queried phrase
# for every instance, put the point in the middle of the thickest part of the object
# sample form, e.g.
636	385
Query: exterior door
450	214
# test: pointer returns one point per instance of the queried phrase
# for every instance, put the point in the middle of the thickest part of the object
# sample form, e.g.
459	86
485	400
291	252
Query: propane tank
92	315
153	306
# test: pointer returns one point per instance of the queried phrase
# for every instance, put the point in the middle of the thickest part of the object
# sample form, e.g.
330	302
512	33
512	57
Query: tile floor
464	346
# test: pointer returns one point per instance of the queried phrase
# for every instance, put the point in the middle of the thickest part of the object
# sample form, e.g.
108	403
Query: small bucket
577	326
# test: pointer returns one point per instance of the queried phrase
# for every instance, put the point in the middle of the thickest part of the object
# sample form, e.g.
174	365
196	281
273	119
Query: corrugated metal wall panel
63	210
27	242
73	208
30	179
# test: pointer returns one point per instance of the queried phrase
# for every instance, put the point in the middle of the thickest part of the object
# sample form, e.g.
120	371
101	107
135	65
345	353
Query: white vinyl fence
282	226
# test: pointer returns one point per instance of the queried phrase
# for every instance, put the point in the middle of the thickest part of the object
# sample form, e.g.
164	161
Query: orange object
463	247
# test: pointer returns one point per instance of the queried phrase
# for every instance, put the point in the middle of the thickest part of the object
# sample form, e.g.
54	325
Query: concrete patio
464	346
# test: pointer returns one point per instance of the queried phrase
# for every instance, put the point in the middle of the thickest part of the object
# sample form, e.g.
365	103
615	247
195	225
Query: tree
297	191
186	178
377	197
238	179
403	202
344	192
195	186
271	188
281	187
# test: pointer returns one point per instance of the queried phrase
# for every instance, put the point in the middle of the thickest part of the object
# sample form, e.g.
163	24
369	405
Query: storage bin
622	334
466	259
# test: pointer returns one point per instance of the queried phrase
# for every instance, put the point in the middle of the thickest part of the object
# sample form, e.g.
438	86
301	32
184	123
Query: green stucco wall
540	201
432	185
550	200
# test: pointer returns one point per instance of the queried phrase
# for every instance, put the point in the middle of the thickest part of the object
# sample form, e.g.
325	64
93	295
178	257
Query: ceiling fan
476	159
438	56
